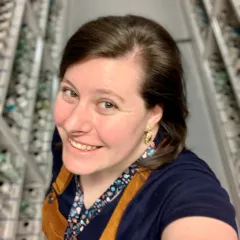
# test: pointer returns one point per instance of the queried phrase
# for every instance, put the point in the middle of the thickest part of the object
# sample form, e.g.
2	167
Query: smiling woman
103	112
123	170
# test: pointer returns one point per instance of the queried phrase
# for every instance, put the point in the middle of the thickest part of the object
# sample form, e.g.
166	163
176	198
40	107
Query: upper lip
87	144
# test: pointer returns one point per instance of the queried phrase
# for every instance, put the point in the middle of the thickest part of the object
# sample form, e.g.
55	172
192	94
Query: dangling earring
148	136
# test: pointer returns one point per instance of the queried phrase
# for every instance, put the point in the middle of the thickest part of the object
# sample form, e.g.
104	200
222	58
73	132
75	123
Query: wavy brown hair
117	36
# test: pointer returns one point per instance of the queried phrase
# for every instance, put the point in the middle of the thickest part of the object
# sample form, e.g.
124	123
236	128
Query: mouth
83	147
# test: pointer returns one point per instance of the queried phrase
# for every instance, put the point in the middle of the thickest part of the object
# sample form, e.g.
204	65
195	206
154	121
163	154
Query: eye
69	95
68	92
106	105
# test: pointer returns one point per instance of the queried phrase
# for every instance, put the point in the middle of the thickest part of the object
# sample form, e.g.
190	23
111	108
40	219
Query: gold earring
148	136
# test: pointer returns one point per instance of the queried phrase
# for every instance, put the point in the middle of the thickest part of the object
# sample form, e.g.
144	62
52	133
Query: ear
155	115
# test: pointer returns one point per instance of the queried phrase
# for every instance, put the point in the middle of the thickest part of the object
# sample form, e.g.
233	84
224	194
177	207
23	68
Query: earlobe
148	136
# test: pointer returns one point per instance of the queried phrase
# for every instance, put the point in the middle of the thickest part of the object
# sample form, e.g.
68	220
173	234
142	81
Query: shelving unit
199	41
236	7
220	80
28	85
7	57
208	6
9	223
227	58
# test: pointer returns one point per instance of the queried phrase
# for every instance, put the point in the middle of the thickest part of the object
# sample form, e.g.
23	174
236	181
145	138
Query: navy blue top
184	187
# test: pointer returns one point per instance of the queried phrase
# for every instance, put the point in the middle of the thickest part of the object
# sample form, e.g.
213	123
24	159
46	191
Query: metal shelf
38	26
34	195
193	25
6	68
32	21
38	175
63	21
207	82
12	221
208	7
10	139
49	62
227	156
236	7
226	58
60	3
41	13
34	76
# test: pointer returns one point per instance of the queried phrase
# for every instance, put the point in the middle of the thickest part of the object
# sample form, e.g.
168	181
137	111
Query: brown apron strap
54	224
132	188
63	179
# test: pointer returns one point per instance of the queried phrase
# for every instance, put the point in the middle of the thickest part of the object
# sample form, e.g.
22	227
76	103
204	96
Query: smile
82	146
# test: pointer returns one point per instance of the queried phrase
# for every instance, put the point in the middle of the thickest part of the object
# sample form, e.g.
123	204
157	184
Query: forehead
121	75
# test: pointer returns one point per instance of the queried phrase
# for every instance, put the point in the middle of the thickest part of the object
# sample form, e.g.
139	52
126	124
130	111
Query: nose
79	121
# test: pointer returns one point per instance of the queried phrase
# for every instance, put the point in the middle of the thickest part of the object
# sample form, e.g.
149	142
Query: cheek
121	129
61	111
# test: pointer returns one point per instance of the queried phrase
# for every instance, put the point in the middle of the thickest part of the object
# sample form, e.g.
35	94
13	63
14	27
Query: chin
78	167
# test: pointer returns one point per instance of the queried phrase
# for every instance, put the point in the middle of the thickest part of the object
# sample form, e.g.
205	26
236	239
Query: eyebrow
108	91
70	83
99	90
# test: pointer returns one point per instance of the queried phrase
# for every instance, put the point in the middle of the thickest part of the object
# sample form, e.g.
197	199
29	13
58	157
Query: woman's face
101	117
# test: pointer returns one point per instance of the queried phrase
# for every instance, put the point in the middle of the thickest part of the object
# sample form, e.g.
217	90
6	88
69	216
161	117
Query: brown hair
116	36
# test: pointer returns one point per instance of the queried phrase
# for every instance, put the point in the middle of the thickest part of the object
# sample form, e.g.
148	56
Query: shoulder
188	187
186	166
187	171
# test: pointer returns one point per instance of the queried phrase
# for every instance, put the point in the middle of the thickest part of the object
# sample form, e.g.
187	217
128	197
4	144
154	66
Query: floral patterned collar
79	216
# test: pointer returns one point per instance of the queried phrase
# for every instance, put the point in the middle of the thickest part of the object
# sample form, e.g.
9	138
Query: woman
122	170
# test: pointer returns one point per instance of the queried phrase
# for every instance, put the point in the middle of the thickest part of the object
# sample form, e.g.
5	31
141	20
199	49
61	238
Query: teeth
82	146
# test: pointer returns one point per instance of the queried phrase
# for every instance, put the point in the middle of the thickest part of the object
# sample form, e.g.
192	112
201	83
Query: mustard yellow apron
53	222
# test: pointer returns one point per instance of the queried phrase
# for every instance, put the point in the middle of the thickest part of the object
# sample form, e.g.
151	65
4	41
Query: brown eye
69	93
106	105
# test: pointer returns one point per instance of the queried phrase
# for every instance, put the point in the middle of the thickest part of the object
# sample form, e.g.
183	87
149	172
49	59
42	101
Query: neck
94	185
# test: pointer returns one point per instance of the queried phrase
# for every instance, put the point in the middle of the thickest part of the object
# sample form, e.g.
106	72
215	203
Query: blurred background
32	36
